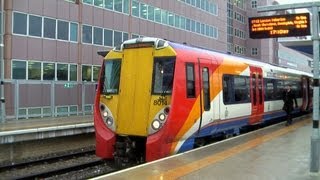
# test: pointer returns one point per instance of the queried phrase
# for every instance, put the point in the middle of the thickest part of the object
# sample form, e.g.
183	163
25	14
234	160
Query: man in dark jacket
288	97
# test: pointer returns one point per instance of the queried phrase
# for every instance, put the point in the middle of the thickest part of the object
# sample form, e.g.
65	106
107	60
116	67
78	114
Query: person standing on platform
288	98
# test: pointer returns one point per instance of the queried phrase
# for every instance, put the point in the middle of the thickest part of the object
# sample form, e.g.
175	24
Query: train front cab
133	100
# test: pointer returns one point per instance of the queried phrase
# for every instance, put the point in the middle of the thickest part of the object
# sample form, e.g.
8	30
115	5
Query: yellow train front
133	100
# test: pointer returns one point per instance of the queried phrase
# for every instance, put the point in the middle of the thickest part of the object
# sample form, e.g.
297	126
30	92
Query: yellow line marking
189	168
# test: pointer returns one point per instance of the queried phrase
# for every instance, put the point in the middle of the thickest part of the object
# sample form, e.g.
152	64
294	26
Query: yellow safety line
192	167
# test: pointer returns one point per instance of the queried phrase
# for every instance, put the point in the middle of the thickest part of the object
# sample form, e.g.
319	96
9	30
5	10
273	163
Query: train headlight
109	121
156	124
162	117
105	114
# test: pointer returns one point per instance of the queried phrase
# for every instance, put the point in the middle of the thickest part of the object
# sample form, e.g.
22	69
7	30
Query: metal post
315	137
2	99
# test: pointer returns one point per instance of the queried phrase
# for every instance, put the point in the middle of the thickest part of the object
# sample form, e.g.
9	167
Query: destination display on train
279	26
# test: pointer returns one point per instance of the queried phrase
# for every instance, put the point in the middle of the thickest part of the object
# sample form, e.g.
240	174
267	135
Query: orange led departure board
279	26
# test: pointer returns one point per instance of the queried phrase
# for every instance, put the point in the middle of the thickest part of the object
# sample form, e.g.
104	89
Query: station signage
286	25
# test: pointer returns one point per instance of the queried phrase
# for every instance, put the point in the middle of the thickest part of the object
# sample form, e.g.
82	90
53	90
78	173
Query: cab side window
191	90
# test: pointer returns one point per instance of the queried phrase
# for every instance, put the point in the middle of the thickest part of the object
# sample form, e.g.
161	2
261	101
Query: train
156	98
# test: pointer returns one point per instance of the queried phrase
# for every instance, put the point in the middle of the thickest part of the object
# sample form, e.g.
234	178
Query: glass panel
97	36
34	70
46	111
87	1
177	21
118	5
98	3
73	109
191	90
73	72
96	71
126	4
143	11
22	112
34	111
111	76
86	34
135	8
163	69
198	27
164	15
35	26
151	13
108	37
48	71
171	19
108	4
62	72
86	73
19	69
206	88
63	30
74	32
188	24
125	36
19	23
157	14
193	26
182	23
117	38
49	28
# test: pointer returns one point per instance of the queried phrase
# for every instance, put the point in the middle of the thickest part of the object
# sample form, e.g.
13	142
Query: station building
50	55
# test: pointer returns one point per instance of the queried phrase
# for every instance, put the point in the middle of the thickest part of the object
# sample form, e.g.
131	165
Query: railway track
59	166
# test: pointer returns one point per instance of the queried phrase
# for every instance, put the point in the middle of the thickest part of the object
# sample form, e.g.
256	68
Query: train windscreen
163	71
111	77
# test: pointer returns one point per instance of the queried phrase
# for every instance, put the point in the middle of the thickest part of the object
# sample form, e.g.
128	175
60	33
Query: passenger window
206	88
191	90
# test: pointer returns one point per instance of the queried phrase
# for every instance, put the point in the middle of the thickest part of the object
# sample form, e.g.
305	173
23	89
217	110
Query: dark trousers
289	117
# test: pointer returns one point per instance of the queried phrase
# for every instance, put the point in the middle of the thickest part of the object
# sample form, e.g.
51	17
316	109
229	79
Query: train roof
159	43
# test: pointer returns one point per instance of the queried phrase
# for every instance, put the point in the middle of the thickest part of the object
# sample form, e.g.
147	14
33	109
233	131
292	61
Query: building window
87	1
108	37
96	71
143	11
35	26
19	23
48	71
135	8
34	70
86	34
62	72
74	32
118	5
98	3
97	35
86	73
108	4
254	4
49	28
254	51
63	30
151	13
73	72
19	69
126	6
125	36
117	38
157	15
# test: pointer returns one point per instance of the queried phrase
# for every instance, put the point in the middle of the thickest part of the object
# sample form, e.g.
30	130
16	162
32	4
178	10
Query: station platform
276	152
40	128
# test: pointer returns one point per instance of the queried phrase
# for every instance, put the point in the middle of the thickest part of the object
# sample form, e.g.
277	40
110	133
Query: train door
305	93
256	94
205	68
